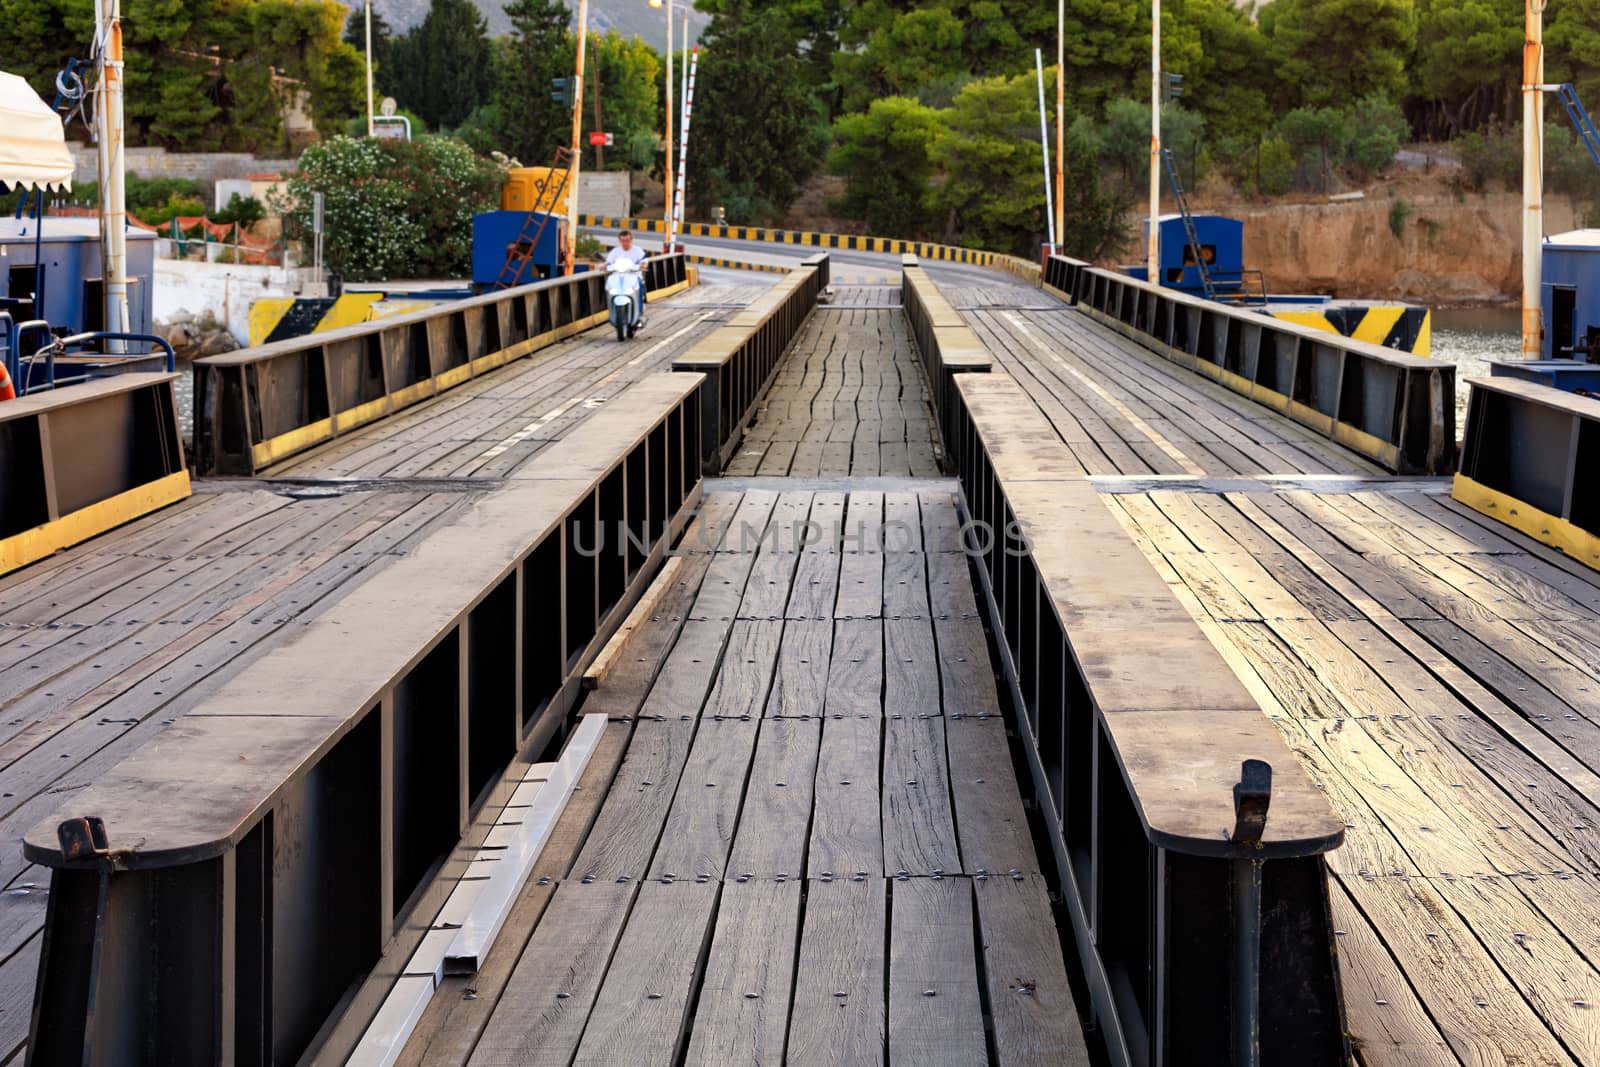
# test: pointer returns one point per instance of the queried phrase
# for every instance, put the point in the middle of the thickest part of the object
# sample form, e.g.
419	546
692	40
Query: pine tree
531	125
443	68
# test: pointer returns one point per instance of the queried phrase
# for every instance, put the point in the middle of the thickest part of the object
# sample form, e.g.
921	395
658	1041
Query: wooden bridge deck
850	399
102	646
1436	672
808	844
491	426
796	725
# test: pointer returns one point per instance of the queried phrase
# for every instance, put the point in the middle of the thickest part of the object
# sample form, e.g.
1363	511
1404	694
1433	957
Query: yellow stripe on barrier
1378	323
265	314
351	309
1543	527
30	545
1314	319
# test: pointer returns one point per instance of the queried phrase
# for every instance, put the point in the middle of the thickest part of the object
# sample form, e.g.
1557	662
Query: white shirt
618	254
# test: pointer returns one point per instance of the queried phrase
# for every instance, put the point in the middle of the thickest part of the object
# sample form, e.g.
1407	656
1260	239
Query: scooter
625	295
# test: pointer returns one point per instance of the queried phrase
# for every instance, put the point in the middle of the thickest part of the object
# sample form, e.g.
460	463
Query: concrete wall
205	167
224	291
604	194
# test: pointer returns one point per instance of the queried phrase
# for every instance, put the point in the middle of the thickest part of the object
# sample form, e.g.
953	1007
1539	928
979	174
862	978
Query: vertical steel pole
667	207
113	190
369	68
1044	149
1532	179
1154	263
571	251
1061	122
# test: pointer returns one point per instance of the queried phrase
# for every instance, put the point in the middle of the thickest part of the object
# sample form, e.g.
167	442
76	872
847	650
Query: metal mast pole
571	251
113	192
667	208
1044	149
1061	122
369	68
1154	264
1532	180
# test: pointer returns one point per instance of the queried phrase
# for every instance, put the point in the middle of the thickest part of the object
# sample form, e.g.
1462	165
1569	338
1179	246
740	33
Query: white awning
33	148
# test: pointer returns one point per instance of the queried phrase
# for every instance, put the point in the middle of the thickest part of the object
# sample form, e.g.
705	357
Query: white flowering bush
392	209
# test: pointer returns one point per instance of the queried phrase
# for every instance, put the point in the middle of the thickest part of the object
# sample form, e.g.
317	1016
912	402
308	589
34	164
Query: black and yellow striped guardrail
1404	327
739	264
842	241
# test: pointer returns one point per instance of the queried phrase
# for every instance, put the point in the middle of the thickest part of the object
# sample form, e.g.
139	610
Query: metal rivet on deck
652	996
841	994
752	996
929	993
563	996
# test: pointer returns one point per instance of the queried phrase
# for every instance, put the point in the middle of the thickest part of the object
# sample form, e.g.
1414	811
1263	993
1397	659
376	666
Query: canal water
1470	338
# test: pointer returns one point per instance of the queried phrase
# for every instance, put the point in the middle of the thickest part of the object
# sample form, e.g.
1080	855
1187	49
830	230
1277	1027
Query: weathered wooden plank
935	1008
840	1013
860	586
816	586
846	826
745	675
642	1008
905	585
770	840
800	684
991	825
743	1010
700	825
1030	1000
1389	1026
919	833
910	669
541	1012
855	673
630	821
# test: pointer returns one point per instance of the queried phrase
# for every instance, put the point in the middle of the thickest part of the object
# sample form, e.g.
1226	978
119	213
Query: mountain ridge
629	18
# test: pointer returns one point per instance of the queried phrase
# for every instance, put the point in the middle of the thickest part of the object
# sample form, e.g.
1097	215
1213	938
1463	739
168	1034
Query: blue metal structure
1581	122
1203	255
496	233
52	307
1571	296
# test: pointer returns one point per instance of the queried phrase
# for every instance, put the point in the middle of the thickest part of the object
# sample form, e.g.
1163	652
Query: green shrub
1489	157
1275	166
392	209
1399	212
245	210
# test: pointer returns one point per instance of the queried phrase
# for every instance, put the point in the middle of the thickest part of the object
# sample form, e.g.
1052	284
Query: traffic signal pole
570	253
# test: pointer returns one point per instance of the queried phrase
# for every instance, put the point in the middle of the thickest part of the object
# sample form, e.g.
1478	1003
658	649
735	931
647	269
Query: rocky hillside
1449	250
628	17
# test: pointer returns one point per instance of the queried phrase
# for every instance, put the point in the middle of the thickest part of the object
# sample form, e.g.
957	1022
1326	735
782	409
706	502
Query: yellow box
534	189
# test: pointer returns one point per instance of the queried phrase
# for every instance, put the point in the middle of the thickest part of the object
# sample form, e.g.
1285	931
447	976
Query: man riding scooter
633	257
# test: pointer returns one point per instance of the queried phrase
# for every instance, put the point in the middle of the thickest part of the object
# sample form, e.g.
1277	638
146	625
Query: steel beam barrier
1188	840
260	405
79	461
224	893
740	357
1396	409
1530	460
1061	275
945	342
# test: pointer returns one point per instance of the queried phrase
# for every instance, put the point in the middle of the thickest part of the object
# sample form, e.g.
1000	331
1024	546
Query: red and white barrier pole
683	152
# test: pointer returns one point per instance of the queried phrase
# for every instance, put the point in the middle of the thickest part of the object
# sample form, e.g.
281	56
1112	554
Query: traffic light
1174	86
561	91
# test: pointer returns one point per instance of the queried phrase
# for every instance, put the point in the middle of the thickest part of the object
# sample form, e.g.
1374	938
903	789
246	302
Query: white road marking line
1126	412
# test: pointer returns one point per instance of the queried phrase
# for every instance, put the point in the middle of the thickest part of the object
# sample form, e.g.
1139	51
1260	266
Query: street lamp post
667	221
369	68
1061	123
